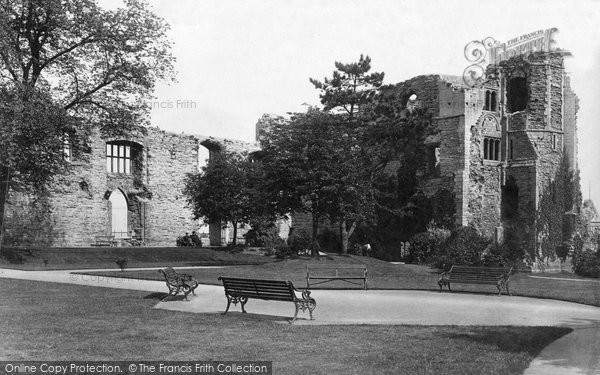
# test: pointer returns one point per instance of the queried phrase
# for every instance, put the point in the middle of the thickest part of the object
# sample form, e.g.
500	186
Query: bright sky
237	60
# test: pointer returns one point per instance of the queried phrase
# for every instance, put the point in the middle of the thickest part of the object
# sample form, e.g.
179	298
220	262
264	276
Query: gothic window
433	159
490	101
517	94
491	148
118	157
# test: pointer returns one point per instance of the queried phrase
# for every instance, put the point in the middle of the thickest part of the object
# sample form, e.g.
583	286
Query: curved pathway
575	353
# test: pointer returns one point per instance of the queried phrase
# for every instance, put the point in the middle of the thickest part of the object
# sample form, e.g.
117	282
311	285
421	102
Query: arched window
486	105
493	103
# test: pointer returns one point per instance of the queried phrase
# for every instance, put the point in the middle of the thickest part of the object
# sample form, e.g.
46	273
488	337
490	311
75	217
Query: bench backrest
474	274
262	289
336	271
170	275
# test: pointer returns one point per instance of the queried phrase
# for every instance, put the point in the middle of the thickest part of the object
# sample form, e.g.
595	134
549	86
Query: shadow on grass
156	295
247	317
507	341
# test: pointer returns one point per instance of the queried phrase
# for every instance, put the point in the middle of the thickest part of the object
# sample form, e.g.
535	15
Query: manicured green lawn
384	275
105	257
41	321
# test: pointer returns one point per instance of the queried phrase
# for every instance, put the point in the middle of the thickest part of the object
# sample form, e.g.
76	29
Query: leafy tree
68	67
315	164
224	191
350	87
388	145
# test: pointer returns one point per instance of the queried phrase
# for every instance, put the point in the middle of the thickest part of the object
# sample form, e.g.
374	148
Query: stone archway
119	213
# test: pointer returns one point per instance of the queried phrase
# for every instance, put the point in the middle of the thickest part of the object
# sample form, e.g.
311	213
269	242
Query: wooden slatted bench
348	273
240	290
177	282
104	241
498	276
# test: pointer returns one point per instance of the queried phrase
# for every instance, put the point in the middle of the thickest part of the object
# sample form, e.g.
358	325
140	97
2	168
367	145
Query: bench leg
228	304
311	306
186	291
296	313
172	292
243	301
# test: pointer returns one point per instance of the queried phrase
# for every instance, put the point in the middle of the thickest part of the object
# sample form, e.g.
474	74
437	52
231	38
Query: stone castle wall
78	207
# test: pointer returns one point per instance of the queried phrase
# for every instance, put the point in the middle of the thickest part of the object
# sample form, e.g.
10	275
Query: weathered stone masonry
498	145
79	207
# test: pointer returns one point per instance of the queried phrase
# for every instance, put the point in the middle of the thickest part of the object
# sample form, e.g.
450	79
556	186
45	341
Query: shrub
12	255
426	244
586	263
122	263
299	240
330	241
465	246
263	235
282	252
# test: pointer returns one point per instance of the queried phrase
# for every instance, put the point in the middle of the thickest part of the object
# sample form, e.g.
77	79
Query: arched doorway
118	204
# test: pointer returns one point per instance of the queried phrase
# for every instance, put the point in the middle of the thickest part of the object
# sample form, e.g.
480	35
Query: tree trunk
4	189
345	234
314	248
234	242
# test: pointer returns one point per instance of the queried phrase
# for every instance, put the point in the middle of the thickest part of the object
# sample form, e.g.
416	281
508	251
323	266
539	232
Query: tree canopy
350	87
68	67
225	190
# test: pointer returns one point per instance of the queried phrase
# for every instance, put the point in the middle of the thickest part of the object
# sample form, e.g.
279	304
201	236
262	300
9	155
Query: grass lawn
384	275
41	321
105	257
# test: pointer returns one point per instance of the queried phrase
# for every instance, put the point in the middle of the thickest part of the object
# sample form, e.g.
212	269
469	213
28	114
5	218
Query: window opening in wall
491	148
517	94
490	101
118	205
510	149
67	152
118	158
510	199
433	158
554	142
412	103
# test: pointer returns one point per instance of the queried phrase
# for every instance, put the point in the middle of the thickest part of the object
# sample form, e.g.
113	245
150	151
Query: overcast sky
237	60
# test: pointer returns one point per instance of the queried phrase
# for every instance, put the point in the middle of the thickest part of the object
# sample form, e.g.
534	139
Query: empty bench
240	290
353	274
178	282
498	276
104	241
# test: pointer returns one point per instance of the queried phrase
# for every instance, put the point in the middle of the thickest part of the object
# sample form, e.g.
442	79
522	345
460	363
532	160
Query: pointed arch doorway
118	214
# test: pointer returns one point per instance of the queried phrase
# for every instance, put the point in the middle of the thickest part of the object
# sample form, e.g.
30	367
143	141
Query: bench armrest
304	292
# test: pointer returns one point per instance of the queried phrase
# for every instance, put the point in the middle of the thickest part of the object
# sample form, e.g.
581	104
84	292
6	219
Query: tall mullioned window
491	149
118	157
490	101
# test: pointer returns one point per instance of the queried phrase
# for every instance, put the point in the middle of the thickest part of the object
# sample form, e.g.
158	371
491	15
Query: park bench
347	273
240	290
498	276
177	282
104	241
